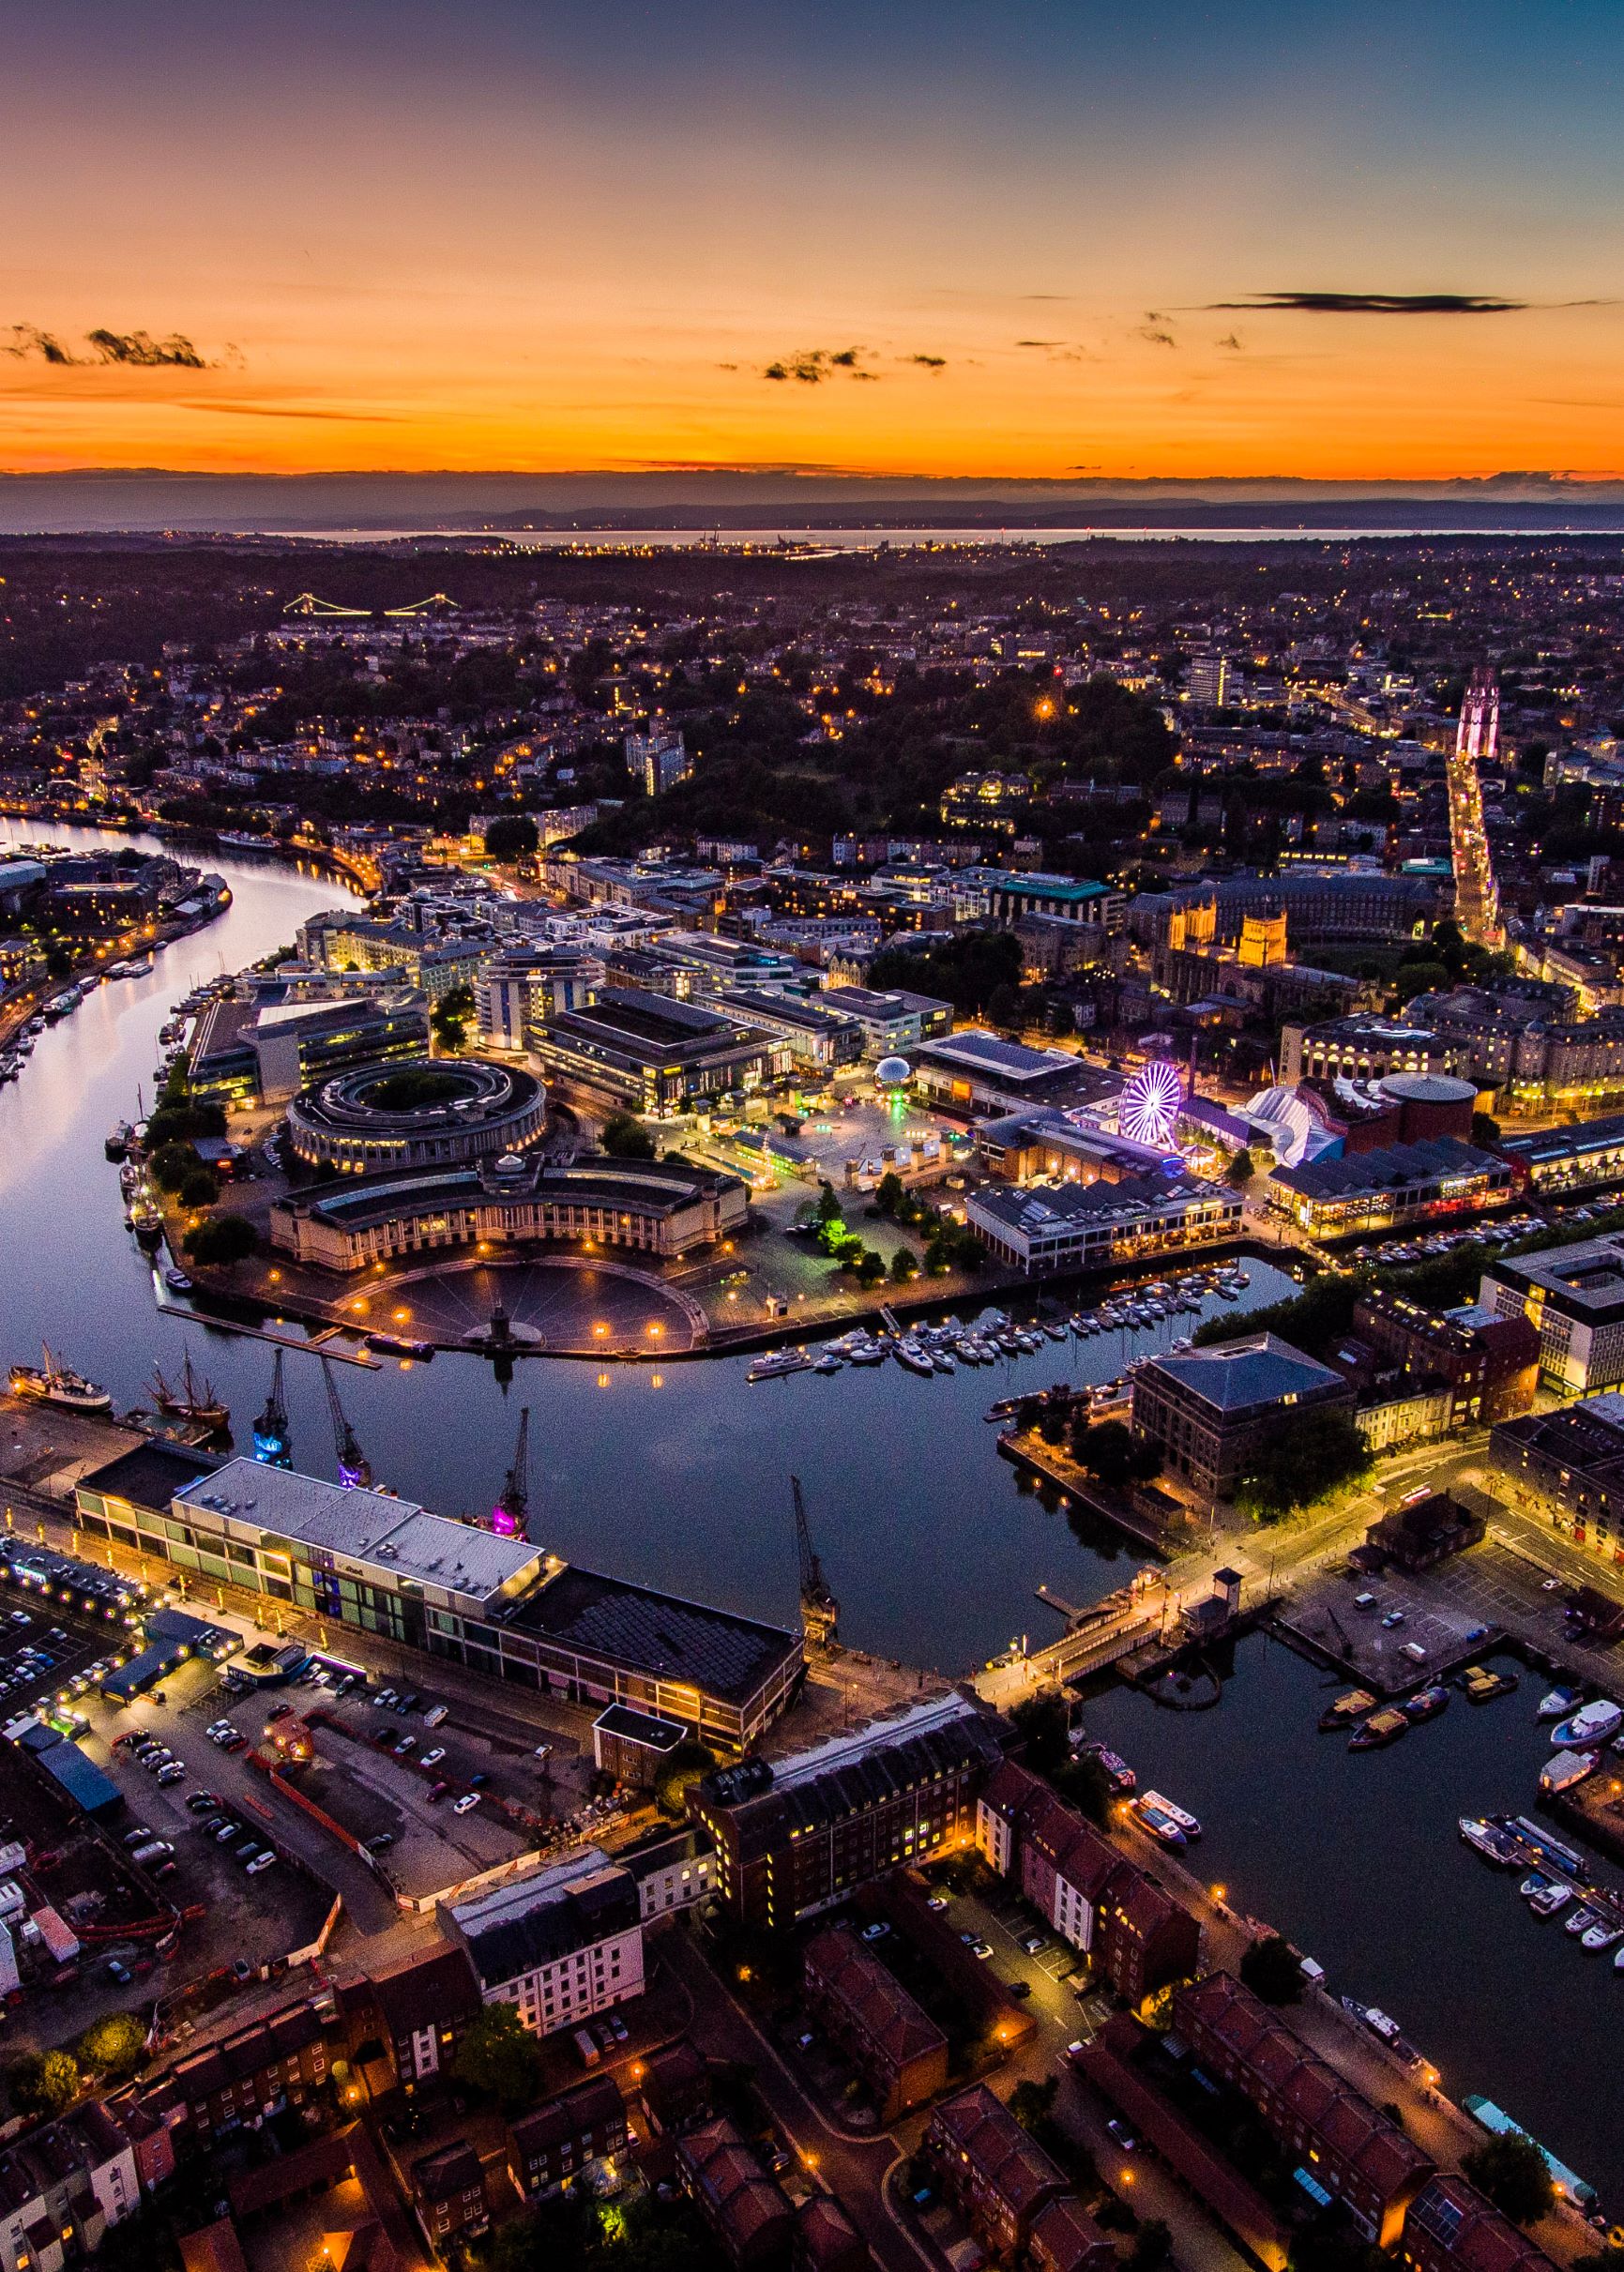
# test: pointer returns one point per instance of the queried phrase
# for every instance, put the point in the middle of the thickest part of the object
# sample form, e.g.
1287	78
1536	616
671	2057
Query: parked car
261	1861
1123	2135
433	1759
466	1805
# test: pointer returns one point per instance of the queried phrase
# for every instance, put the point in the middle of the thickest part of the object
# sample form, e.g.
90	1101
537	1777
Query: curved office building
422	1112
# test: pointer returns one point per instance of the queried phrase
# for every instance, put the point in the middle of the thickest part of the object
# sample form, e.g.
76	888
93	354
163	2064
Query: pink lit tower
1477	743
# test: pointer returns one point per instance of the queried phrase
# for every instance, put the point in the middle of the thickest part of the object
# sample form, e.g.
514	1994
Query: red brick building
747	2213
448	2192
548	2148
1006	2186
1450	2227
1347	2146
896	2047
1490	1364
281	2061
1127	1924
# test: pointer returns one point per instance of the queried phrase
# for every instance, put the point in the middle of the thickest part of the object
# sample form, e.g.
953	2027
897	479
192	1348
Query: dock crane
273	1441
354	1469
820	1613
511	1510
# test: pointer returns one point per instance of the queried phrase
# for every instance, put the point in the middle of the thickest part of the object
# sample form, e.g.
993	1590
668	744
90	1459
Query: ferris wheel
1147	1109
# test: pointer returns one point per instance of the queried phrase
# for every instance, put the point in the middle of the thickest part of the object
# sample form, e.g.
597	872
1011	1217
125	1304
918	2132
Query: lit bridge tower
1477	743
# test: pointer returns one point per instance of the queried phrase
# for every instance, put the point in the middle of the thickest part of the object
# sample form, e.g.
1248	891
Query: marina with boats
925	1348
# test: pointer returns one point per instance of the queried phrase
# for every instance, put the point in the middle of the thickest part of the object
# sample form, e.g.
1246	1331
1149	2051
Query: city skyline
1039	243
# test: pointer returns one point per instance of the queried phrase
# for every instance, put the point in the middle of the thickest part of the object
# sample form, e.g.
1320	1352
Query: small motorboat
1565	1771
1593	1723
1556	1703
1551	1899
1605	1934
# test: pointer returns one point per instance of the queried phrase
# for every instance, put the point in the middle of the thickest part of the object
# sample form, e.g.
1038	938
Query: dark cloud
812	365
137	350
1039	343
146	353
1230	338
1157	337
1374	303
27	338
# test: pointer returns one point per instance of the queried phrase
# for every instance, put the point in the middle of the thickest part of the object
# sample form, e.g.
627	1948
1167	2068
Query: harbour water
677	1475
1356	1857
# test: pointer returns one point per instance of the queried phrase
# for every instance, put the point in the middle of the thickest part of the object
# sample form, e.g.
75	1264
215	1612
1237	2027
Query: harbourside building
386	1566
657	1207
1573	1297
560	1944
254	1051
1576	1159
1389	1189
1211	1412
1130	1929
795	1836
1358	2155
645	1052
973	1073
1090	1226
419	1113
1566	1468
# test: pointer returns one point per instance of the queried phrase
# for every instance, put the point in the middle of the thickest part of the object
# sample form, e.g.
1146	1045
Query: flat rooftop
643	1632
1585	1280
985	1053
150	1476
401	1538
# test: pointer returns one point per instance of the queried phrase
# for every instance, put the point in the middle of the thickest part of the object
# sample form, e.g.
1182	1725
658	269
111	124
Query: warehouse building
386	1566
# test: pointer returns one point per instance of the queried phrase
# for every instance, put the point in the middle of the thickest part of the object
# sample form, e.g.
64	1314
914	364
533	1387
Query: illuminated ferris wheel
1147	1109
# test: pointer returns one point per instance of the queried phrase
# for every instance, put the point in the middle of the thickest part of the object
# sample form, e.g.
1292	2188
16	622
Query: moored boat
1187	1822
1383	1727
1159	1824
1479	1685
1593	1723
1352	1705
192	1398
1566	1770
1426	1703
1494	1843
54	1383
1556	1703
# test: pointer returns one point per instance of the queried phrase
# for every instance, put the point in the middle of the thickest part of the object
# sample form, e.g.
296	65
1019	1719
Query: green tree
1043	1723
1152	2246
1485	1130
869	1267
904	1266
1306	1456
1004	1008
498	2056
449	1018
1031	2102
1272	1969
512	836
625	1137
1241	1169
171	1164
889	1193
114	2046
44	2083
223	1239
829	1207
1515	2175
199	1189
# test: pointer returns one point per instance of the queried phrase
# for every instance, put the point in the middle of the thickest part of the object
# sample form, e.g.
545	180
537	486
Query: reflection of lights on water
603	1380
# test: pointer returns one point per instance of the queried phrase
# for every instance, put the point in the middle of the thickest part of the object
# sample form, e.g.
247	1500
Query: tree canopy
1515	2175
498	2056
1307	1455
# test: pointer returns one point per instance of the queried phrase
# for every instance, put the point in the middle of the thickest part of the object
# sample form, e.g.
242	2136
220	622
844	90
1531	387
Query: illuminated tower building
1477	744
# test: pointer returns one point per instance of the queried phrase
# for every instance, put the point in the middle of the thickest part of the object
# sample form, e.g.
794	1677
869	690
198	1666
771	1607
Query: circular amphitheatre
417	1112
558	1305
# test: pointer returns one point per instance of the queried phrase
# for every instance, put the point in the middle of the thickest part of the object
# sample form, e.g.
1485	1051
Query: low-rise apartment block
560	1944
894	2045
568	2138
1130	1928
1351	2149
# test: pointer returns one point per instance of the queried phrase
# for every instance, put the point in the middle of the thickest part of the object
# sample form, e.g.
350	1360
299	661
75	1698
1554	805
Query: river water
678	1476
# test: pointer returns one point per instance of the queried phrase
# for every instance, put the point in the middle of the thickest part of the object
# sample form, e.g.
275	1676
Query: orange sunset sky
1026	239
